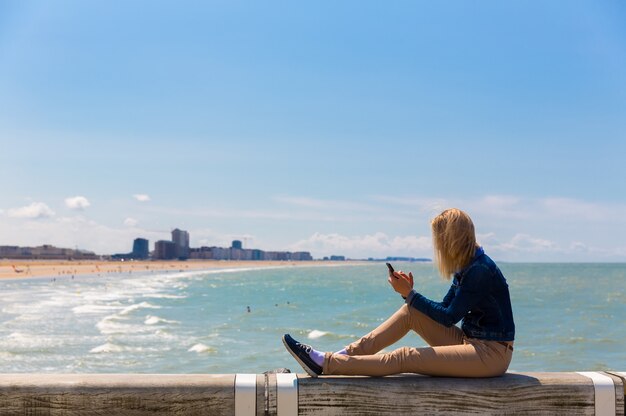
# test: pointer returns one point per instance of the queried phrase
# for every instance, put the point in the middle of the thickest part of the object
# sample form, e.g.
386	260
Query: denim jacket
479	295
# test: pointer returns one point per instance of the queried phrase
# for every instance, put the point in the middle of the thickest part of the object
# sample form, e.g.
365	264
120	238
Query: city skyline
175	249
334	128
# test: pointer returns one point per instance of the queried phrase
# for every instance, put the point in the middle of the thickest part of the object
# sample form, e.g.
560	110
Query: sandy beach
53	268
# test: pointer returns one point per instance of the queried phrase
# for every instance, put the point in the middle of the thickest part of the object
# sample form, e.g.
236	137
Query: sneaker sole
302	364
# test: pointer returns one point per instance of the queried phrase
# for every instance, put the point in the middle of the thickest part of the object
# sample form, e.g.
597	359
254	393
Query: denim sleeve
448	298
470	292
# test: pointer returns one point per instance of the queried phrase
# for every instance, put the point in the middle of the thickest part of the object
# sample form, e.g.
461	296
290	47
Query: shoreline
28	269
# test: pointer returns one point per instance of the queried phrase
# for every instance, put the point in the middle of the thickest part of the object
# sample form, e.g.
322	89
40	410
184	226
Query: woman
479	297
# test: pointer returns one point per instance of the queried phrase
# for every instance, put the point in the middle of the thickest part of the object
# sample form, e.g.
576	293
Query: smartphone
391	270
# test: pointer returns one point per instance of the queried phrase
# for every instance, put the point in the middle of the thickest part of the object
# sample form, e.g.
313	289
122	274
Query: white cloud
142	197
524	242
519	243
528	229
371	245
499	206
577	246
511	228
32	211
500	201
516	208
574	209
291	214
318	204
77	203
551	209
525	247
74	231
130	222
208	237
432	206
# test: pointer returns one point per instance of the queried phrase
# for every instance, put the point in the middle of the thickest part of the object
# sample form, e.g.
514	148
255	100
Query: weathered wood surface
117	394
260	394
512	394
272	396
205	394
622	376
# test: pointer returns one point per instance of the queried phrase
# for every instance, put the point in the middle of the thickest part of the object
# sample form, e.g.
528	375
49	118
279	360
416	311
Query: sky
335	127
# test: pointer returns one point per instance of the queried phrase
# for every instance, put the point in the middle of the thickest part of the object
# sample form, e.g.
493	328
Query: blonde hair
454	241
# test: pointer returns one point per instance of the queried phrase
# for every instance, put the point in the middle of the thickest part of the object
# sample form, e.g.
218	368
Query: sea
569	317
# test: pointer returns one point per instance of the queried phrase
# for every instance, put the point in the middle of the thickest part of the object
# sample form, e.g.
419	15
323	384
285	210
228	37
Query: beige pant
451	353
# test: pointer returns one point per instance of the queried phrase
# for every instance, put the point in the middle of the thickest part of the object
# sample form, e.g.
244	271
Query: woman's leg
473	358
397	326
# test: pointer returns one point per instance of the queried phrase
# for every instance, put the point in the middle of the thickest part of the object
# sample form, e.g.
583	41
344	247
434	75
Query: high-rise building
141	249
181	240
237	244
164	250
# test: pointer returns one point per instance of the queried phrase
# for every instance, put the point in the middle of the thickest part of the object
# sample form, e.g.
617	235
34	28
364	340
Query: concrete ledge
290	394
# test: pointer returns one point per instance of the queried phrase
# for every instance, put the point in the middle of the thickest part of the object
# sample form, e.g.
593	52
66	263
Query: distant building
164	250
220	253
277	255
338	258
45	252
11	252
181	240
237	244
411	259
141	249
301	256
231	253
202	253
270	255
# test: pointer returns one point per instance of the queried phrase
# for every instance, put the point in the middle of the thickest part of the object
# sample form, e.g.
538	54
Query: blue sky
333	127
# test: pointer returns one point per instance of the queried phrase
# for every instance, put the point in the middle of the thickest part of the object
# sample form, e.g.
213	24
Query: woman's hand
401	283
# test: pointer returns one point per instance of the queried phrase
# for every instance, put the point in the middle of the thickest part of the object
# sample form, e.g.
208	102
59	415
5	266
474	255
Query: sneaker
301	353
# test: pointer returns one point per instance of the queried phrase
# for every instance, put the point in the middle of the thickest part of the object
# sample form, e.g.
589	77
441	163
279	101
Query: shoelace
307	348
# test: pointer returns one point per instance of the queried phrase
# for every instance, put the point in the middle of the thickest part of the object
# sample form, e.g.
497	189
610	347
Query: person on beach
478	296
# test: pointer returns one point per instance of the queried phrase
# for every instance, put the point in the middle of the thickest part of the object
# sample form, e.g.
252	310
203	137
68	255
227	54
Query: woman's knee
400	357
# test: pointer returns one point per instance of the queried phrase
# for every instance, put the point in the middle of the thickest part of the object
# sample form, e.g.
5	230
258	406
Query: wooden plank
513	393
621	376
119	394
198	394
272	395
261	401
604	392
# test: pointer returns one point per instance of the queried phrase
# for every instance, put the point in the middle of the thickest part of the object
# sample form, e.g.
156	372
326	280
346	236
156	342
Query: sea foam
106	348
153	320
134	307
315	334
202	349
92	309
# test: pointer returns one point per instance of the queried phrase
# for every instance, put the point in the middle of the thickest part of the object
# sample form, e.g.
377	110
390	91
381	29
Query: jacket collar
479	252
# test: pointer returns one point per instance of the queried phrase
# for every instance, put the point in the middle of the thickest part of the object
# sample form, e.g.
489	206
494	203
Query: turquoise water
569	317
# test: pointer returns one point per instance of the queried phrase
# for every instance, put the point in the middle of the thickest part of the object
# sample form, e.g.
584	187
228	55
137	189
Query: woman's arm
449	297
454	306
